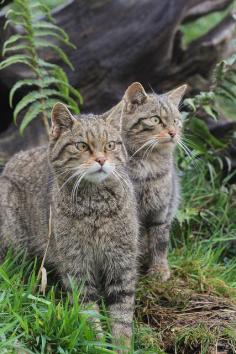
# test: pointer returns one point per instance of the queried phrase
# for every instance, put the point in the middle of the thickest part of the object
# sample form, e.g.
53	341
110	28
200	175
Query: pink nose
172	133
101	160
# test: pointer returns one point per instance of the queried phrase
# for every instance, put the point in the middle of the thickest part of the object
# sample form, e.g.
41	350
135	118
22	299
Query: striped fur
95	227
148	121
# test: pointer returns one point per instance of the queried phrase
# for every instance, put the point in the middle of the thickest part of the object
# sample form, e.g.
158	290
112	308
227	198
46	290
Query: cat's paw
161	272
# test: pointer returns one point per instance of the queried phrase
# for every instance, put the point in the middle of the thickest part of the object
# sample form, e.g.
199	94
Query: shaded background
152	41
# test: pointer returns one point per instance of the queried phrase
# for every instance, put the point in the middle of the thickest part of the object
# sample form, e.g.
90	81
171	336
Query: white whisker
147	143
76	186
150	149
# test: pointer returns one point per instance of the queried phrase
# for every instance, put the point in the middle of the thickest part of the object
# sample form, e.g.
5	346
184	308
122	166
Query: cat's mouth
167	141
101	170
97	174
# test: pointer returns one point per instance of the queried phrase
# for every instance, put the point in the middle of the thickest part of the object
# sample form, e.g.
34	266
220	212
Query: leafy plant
36	30
219	101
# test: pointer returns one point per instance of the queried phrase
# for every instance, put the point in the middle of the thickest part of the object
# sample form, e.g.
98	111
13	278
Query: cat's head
85	146
150	121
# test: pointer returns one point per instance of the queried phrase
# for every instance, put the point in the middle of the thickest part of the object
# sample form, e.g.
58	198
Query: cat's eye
155	120
81	146
110	145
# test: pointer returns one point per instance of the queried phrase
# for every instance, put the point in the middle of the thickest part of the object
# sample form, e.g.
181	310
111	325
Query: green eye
81	146
110	145
155	120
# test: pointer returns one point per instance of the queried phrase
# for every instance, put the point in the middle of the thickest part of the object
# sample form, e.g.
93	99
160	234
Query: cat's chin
97	174
97	177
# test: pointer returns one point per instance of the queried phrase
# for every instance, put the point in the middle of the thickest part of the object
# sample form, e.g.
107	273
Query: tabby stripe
118	296
58	151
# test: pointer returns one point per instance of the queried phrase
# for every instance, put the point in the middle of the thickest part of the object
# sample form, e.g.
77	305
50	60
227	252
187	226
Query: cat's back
24	203
27	167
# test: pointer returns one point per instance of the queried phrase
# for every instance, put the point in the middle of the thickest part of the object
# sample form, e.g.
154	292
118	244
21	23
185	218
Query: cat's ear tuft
177	94
134	95
62	119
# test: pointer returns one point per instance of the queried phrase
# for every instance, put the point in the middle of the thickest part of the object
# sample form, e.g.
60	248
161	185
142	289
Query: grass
172	317
56	323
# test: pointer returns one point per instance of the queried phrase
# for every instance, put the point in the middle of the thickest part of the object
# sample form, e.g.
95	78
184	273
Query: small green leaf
41	43
44	64
19	84
13	12
14	38
190	103
210	111
17	59
229	91
49	33
31	97
201	129
34	110
15	22
47	25
16	48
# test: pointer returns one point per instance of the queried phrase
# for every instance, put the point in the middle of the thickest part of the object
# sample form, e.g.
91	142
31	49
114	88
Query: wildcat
81	175
151	128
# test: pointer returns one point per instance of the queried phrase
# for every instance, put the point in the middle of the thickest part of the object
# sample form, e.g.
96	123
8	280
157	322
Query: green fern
223	88
48	81
218	101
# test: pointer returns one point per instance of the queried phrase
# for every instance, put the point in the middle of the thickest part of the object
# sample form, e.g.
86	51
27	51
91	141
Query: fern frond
14	22
13	14
32	97
14	38
43	8
19	84
48	33
50	26
18	47
49	80
34	111
40	43
17	59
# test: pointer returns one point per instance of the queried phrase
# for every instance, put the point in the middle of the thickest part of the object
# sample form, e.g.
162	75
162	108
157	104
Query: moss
192	312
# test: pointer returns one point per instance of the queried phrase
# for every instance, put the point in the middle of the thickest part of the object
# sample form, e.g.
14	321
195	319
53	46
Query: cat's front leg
88	299
158	236
120	300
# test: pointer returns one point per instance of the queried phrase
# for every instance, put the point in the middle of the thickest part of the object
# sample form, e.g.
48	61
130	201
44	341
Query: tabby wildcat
94	221
152	127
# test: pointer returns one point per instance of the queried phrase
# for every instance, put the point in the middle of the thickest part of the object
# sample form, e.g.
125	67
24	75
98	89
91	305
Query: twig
42	270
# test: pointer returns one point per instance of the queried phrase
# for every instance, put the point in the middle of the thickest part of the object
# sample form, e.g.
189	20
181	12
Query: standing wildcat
94	222
152	126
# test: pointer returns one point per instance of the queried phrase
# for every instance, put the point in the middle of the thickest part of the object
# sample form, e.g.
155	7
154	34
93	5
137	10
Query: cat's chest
88	219
153	195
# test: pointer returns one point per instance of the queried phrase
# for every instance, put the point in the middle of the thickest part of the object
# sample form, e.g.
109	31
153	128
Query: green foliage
201	26
212	104
57	323
48	82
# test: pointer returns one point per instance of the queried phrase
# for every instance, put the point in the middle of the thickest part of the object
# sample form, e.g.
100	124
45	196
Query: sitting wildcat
151	127
94	223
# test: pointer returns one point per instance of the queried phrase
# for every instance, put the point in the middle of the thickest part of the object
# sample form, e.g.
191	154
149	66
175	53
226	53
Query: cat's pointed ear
177	94
134	95
62	119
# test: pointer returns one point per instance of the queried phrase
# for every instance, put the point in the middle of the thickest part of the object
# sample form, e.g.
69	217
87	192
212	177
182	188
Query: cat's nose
101	160
172	133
